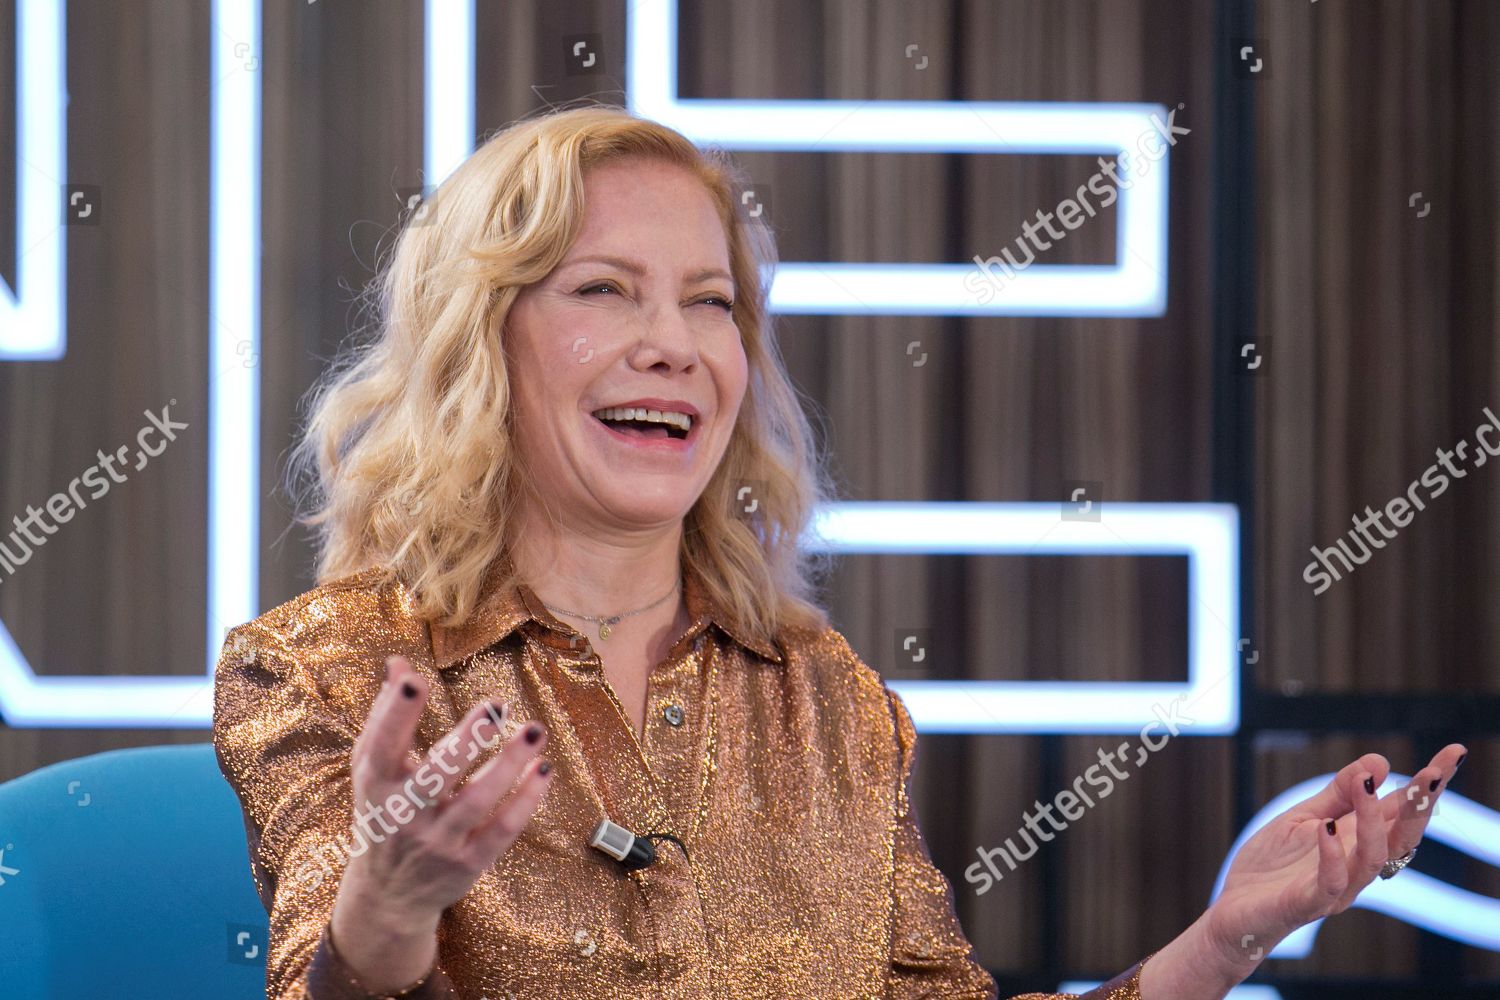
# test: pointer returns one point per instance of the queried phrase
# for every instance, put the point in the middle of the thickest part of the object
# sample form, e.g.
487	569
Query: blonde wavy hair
407	460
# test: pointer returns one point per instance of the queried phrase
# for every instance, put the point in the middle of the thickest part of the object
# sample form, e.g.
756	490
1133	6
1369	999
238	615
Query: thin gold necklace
607	622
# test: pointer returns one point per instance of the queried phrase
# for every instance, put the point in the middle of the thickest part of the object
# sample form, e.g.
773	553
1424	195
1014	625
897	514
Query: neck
602	574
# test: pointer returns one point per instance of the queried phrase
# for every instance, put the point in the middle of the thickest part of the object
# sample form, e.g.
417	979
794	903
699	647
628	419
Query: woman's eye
607	286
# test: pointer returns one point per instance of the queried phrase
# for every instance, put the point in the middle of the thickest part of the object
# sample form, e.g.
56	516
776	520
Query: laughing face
627	370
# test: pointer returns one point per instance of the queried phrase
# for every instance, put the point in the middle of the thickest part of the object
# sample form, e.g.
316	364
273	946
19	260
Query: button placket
675	734
625	784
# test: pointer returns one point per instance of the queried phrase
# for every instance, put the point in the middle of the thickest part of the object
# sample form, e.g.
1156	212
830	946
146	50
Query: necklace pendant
604	630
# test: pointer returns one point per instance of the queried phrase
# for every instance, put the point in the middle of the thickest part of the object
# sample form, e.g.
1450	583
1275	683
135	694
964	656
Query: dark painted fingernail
409	689
533	733
1432	787
1332	829
1460	762
545	768
1370	783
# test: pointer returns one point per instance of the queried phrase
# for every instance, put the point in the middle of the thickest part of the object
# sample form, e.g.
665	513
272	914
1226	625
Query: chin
641	509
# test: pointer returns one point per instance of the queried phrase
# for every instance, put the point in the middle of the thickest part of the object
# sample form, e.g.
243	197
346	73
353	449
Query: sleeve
286	753
1125	986
930	956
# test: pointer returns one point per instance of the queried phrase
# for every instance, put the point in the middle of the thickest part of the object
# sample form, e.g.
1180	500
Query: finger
469	807
1339	796
1415	802
1333	870
452	756
1443	766
384	744
1370	841
1446	762
495	836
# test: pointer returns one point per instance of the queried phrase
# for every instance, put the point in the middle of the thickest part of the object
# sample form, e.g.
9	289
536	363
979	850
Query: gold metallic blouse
781	767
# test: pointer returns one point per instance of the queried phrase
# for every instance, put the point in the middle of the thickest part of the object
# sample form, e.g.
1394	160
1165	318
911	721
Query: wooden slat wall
1383	333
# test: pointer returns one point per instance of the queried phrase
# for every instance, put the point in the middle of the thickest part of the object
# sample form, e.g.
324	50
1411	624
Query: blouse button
673	715
584	940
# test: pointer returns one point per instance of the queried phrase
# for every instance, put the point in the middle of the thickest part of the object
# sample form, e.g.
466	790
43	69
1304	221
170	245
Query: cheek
538	381
733	374
560	365
580	336
556	341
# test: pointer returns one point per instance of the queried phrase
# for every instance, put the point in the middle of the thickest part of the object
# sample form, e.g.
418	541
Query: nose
668	341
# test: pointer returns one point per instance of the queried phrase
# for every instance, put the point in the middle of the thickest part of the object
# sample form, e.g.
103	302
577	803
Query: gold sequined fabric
781	766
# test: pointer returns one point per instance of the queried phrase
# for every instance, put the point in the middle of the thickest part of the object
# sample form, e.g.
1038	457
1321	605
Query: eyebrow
632	267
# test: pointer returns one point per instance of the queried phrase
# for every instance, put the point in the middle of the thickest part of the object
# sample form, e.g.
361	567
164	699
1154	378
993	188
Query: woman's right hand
394	893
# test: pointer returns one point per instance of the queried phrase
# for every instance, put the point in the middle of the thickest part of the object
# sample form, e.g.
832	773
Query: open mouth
645	423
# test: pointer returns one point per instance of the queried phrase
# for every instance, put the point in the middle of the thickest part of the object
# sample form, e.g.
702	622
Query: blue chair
125	876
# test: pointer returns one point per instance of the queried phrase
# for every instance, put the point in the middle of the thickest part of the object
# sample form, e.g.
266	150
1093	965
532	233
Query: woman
559	497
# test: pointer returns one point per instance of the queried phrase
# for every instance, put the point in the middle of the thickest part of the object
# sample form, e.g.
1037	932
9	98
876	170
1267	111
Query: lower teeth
648	432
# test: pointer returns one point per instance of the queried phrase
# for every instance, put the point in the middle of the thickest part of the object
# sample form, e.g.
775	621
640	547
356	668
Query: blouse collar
500	611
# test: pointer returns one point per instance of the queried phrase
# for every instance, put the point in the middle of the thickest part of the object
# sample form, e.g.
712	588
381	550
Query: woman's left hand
1315	858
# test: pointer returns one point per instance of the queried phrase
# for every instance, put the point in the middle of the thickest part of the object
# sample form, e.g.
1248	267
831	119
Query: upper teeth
679	420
